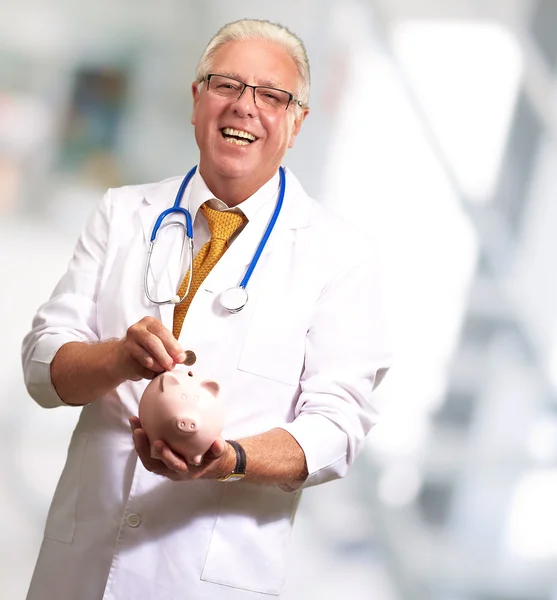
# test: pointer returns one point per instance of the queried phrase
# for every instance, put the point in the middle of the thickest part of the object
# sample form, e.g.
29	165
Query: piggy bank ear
167	380
211	386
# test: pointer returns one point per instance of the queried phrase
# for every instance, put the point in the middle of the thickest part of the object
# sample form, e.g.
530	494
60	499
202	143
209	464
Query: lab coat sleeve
70	313
347	354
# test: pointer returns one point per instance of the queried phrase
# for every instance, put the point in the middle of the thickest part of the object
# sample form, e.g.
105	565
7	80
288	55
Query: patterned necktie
222	225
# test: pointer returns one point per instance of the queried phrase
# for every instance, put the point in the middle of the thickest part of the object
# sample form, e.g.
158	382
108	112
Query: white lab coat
303	355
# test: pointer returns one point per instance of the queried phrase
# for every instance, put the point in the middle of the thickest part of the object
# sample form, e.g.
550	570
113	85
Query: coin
190	358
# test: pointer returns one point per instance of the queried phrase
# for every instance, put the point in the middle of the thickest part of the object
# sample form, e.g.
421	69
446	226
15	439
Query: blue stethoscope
235	298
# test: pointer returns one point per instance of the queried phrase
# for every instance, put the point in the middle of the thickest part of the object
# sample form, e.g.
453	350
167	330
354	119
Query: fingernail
181	357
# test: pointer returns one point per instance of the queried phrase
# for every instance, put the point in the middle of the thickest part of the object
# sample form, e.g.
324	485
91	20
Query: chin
236	168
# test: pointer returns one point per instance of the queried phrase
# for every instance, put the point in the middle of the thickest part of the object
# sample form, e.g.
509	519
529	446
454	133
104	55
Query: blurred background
432	126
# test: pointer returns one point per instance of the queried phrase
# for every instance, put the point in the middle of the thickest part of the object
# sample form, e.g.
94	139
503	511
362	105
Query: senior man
296	366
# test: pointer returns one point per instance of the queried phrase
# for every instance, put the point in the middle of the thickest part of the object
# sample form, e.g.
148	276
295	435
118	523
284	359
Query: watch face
232	477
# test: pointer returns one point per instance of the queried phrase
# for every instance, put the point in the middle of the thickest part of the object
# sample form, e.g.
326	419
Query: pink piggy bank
183	411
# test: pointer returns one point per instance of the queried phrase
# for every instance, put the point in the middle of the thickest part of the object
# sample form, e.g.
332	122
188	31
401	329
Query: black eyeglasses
263	96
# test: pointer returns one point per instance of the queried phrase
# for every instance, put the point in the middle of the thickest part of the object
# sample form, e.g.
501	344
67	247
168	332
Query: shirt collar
200	194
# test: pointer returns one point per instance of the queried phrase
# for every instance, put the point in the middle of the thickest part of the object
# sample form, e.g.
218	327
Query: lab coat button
133	520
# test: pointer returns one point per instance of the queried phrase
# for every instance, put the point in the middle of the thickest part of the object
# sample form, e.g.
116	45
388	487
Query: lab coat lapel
164	275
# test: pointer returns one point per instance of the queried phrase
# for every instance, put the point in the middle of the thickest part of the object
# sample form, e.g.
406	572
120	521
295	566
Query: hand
148	349
158	458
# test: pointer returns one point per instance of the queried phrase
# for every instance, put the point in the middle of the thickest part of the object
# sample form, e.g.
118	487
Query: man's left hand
217	462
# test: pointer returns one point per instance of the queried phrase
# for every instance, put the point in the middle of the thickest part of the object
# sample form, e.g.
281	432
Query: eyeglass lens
264	96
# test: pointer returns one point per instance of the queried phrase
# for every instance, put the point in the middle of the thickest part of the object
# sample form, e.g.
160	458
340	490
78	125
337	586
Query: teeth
237	142
238	133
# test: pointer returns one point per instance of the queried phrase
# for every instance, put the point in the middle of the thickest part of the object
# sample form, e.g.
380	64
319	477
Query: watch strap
240	467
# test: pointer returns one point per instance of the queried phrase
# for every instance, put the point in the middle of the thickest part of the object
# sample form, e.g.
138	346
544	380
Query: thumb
218	447
135	423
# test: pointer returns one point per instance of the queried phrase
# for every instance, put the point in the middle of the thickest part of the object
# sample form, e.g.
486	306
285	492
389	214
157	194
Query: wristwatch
240	468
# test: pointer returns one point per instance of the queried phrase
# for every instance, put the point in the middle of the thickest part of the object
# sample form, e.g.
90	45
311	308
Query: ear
195	92
298	125
167	380
212	387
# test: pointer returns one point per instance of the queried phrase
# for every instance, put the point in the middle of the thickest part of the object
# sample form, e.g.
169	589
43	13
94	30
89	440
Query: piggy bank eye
196	398
184	397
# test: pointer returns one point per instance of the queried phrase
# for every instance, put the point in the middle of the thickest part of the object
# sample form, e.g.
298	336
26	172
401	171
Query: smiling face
230	163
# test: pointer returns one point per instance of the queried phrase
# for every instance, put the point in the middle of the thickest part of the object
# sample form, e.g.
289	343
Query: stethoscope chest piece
234	299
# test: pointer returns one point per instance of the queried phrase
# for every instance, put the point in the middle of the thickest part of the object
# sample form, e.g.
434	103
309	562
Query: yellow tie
222	225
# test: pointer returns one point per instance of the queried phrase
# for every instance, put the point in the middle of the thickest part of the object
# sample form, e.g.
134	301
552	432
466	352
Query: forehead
257	62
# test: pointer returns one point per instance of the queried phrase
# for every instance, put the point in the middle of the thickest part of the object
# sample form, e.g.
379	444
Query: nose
245	105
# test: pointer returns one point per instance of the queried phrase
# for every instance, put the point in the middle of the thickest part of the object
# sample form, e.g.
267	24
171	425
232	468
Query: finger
173	461
156	352
141	443
135	423
147	347
218	447
145	359
168	341
151	464
146	374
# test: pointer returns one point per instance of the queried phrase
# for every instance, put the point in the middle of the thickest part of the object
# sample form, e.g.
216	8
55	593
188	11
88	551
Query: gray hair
255	29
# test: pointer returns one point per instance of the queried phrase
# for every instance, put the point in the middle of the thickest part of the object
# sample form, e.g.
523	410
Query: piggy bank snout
187	424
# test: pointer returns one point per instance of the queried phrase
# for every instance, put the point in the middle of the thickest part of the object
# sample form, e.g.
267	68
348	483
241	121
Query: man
296	366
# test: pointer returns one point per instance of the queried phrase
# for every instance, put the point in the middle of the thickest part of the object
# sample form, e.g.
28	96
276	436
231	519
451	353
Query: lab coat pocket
274	346
60	523
283	301
249	543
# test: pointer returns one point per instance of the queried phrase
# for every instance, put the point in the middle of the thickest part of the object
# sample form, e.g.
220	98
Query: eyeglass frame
253	87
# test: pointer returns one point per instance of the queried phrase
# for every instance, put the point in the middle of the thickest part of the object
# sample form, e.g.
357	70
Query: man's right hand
148	349
81	372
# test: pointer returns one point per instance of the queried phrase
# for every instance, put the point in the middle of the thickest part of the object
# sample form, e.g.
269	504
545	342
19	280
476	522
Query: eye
270	96
196	398
226	87
184	397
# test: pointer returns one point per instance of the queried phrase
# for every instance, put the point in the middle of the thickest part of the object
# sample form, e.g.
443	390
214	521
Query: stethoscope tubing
177	209
267	234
